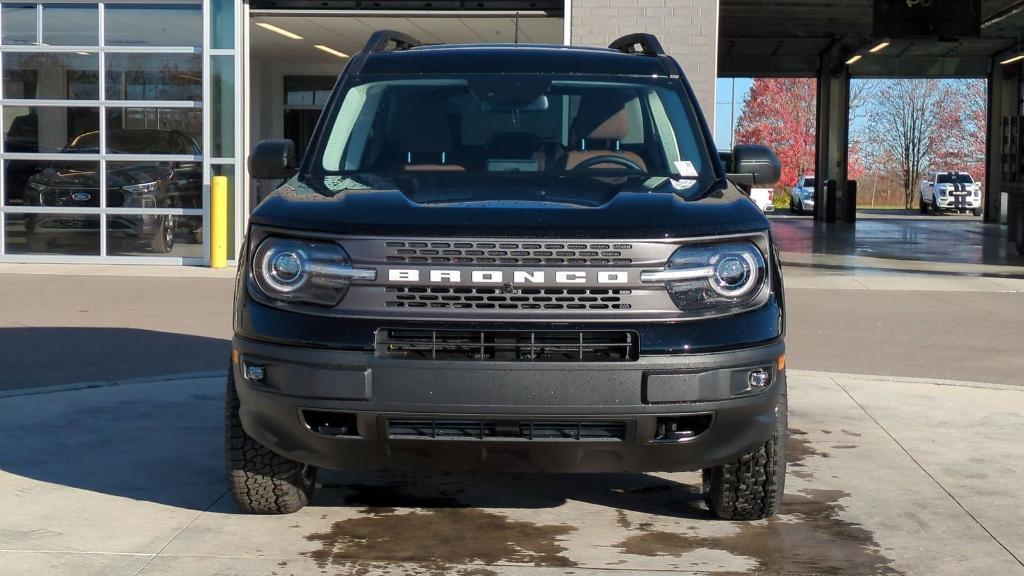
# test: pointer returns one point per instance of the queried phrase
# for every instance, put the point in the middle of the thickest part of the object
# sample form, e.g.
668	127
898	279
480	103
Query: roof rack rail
382	40
649	45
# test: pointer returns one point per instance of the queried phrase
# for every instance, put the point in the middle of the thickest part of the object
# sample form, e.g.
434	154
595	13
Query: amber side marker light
234	356
782	362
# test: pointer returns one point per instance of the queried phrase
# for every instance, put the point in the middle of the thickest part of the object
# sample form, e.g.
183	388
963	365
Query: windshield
499	126
957	178
808	183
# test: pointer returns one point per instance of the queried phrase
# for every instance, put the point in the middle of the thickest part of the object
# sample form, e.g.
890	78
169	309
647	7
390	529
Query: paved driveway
884	479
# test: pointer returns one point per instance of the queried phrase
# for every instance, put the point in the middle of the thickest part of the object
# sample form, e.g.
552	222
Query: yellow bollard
219	222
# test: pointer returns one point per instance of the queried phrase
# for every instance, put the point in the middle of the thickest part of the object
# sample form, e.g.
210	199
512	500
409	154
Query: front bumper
959	202
634	396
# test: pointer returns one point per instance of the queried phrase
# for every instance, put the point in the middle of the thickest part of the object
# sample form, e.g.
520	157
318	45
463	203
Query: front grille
508	346
510	253
496	298
529	430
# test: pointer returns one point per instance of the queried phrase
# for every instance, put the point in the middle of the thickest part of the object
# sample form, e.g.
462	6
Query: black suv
509	257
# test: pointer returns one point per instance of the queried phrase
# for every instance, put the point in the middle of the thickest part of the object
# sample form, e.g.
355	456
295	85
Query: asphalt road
69	329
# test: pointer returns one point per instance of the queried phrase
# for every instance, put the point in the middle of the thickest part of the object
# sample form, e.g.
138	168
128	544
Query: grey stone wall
687	29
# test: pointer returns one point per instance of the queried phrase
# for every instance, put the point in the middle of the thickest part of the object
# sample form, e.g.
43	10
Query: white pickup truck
950	191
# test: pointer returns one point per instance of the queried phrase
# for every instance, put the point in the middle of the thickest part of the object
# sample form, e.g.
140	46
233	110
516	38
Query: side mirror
273	160
754	165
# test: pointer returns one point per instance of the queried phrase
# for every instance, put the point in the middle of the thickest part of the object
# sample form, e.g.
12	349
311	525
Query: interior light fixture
880	46
330	50
853	59
280	31
1013	59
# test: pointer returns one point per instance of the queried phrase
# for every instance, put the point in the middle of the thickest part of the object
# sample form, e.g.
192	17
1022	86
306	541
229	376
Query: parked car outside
801	196
764	198
952	191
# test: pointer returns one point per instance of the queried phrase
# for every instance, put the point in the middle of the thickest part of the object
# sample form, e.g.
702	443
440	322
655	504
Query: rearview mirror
273	160
753	165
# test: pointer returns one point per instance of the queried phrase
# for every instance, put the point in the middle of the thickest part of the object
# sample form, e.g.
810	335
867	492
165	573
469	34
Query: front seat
598	130
425	136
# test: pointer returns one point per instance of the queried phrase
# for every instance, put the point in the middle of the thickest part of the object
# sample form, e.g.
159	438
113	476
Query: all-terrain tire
262	481
976	212
751	486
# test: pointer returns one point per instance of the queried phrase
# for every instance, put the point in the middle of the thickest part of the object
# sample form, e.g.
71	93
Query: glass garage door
103	113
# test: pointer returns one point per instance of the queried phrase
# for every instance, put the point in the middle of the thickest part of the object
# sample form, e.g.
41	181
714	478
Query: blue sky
728	104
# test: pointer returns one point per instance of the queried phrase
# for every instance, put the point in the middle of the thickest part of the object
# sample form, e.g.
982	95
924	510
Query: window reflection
176	184
19	24
70	24
47	129
66	234
154	25
58	76
155	235
154	131
154	77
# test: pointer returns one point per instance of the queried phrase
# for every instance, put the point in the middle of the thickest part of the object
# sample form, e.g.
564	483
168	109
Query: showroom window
114	116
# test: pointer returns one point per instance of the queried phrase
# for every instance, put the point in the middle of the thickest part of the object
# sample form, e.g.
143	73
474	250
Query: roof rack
390	41
648	44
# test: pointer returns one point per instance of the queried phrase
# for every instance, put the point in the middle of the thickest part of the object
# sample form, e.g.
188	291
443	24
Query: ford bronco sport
509	257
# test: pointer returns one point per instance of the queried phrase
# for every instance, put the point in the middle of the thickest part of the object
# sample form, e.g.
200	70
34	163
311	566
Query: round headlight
284	270
734	275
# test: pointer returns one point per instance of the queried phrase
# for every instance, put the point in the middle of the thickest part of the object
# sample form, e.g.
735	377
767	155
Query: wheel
262	481
936	208
751	486
976	211
792	204
799	206
38	242
163	239
921	206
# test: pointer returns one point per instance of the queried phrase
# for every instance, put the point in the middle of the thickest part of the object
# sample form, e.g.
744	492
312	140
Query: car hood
86	176
573	209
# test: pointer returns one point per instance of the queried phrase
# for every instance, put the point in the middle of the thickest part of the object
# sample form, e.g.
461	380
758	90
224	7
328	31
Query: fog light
759	378
254	372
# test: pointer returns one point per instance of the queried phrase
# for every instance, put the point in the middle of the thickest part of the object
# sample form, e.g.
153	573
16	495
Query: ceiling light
331	51
280	31
853	59
880	46
1013	59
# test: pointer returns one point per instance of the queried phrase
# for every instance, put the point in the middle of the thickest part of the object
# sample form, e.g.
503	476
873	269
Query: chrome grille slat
510	253
495	298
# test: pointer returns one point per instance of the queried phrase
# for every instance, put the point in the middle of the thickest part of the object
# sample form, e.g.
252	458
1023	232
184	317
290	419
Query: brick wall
687	29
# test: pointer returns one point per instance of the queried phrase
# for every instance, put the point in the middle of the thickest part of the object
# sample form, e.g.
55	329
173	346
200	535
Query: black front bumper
376	393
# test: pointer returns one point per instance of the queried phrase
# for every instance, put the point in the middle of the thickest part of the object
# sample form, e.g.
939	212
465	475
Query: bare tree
903	127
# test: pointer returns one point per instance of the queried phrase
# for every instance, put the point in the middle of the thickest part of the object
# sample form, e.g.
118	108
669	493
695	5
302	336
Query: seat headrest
423	125
602	118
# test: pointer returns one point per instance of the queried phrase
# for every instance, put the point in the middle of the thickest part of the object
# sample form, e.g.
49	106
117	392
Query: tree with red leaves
781	114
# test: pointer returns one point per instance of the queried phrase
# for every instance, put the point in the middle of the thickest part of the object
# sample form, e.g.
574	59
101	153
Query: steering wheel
608	159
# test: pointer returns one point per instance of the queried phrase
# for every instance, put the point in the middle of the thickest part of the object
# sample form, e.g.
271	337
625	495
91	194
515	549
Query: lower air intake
508	346
529	430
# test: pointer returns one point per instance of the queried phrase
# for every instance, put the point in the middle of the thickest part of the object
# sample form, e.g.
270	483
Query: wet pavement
899	241
129	480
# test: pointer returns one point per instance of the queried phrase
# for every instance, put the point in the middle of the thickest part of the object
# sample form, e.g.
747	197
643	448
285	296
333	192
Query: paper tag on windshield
685	168
682	183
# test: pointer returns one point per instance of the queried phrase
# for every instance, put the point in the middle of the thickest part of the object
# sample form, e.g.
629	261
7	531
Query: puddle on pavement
807	538
436	532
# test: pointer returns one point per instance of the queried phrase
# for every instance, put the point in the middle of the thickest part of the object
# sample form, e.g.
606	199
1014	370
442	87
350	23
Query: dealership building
149	101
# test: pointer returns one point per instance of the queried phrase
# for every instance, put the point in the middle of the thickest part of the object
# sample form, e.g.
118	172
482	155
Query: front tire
976	211
262	481
922	208
751	486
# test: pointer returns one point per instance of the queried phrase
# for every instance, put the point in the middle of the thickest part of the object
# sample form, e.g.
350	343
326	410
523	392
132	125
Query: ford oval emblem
81	196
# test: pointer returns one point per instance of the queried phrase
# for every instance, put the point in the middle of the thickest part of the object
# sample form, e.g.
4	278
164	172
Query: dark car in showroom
129	184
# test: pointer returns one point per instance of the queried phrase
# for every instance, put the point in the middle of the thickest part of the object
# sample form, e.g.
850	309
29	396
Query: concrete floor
129	480
899	241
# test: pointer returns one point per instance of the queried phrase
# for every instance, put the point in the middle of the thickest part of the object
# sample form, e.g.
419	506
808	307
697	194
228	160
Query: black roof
513	58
